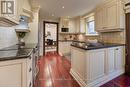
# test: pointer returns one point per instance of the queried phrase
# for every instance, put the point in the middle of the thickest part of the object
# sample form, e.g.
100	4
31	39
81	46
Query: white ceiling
71	8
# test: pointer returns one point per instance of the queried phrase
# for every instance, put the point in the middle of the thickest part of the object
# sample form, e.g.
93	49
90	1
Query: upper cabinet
75	25
80	25
9	12
64	22
25	9
110	16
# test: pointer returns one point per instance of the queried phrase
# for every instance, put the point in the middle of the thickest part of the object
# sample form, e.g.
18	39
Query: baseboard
98	82
77	78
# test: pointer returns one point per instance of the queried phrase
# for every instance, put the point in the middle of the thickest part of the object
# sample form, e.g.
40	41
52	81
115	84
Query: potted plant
21	35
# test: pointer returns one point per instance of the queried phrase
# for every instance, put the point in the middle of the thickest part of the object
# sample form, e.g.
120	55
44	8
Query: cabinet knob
117	48
30	85
30	57
30	69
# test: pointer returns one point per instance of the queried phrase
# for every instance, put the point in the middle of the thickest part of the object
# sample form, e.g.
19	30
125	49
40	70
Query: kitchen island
94	65
18	66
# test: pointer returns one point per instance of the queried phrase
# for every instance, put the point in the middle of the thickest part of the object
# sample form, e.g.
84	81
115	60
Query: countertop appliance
65	30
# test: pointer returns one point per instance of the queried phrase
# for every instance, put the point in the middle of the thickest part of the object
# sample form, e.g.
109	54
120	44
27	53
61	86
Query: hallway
54	72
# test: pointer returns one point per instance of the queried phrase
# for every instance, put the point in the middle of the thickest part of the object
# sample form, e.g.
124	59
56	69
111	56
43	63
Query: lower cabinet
16	73
110	60
114	59
93	68
95	64
11	75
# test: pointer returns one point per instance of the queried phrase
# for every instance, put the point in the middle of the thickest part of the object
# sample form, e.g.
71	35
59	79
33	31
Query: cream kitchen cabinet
99	16
16	73
80	25
93	68
64	22
110	16
25	9
119	57
12	18
87	66
72	26
110	61
114	59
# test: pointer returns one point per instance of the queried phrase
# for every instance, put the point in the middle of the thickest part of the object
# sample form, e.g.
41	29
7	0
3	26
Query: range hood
23	25
28	14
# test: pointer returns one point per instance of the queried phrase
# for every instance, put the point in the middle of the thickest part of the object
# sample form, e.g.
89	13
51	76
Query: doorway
50	37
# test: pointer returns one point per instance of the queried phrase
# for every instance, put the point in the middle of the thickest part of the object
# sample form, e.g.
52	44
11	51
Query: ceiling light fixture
63	6
52	14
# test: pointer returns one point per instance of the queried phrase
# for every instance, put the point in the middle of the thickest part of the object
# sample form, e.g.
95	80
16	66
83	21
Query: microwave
64	29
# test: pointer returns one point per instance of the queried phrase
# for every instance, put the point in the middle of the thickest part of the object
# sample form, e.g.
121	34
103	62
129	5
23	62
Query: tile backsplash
113	37
8	37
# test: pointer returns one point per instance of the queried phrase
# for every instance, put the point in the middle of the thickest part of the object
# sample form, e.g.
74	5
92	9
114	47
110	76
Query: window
90	26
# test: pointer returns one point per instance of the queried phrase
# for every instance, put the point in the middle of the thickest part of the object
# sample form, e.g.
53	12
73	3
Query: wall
8	37
32	37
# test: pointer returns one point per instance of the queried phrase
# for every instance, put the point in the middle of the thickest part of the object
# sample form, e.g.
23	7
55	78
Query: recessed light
52	14
63	6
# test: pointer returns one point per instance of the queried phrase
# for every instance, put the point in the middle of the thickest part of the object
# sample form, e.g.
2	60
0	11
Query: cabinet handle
30	84
30	69
117	49
30	57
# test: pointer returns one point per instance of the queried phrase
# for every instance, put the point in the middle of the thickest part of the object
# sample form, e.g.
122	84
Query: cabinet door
78	62
95	64
99	19
65	23
11	75
72	28
112	15
82	26
119	57
12	17
110	60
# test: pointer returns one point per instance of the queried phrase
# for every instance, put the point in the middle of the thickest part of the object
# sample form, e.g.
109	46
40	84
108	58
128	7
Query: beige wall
32	37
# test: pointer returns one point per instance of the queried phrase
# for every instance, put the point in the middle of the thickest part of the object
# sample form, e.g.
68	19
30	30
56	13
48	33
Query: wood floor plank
54	71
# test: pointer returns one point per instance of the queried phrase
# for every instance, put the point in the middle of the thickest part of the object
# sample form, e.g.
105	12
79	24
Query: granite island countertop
95	46
14	52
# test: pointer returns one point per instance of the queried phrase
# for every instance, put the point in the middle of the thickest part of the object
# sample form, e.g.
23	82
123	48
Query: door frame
44	22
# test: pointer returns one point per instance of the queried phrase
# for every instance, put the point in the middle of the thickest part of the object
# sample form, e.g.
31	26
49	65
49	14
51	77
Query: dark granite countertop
16	47
95	46
14	52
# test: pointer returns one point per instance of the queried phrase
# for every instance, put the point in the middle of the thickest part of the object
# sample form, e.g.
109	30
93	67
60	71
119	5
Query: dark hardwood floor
54	72
121	81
